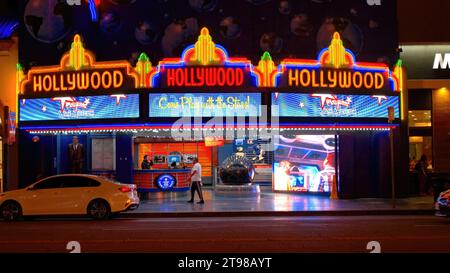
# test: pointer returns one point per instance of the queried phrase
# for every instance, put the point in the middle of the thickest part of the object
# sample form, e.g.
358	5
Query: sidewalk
276	204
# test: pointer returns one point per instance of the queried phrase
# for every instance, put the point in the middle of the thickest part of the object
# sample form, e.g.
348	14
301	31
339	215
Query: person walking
196	182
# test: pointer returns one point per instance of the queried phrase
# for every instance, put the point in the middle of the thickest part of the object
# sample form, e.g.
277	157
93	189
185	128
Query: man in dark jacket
76	156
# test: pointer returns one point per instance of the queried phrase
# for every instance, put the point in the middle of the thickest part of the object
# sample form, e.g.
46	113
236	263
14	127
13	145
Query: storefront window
103	154
419	118
418	146
305	163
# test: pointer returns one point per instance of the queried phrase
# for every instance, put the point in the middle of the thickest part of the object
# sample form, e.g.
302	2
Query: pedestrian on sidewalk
421	168
196	181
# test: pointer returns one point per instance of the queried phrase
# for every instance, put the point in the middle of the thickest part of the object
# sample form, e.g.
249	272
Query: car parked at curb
69	194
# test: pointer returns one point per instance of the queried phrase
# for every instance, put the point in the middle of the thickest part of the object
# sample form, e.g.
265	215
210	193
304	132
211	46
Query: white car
71	194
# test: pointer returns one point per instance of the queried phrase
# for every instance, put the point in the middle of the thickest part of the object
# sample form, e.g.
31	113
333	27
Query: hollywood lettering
337	79
78	80
204	76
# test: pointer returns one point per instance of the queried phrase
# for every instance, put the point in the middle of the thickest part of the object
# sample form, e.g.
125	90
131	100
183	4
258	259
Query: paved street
238	234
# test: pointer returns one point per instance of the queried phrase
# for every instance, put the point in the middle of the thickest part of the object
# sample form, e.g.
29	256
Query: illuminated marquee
204	64
334	105
336	69
80	107
204	104
78	71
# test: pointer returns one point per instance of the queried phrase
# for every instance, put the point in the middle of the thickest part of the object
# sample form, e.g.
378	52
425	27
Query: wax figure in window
76	156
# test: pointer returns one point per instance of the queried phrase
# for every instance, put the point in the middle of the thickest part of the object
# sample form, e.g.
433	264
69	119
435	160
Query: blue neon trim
93	10
183	54
7	27
321	53
224	50
351	54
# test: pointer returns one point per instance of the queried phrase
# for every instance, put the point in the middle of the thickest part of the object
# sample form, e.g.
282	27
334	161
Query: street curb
392	212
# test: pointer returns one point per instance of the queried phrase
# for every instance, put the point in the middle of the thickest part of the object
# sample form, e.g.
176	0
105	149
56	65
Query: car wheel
99	209
11	211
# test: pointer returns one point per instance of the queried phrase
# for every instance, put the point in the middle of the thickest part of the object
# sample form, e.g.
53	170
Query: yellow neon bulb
205	49
77	53
19	78
398	74
337	51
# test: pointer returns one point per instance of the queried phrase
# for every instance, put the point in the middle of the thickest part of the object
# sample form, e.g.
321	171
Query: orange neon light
267	71
398	75
399	79
145	70
78	58
76	53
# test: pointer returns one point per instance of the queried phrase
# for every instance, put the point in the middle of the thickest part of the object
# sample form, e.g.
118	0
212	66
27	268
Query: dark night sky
296	30
424	21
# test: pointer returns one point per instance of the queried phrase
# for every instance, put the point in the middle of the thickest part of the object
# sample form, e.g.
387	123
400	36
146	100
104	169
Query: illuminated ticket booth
307	126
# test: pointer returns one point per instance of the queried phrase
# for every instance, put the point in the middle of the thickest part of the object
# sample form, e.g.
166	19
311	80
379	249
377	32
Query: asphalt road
239	234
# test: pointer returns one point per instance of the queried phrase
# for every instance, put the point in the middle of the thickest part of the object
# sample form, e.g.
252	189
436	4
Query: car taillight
125	189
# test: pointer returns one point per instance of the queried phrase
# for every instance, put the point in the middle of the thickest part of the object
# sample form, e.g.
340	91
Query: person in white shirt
196	181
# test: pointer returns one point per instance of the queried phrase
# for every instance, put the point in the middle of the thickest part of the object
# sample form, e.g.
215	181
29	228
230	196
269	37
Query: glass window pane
419	146
419	118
